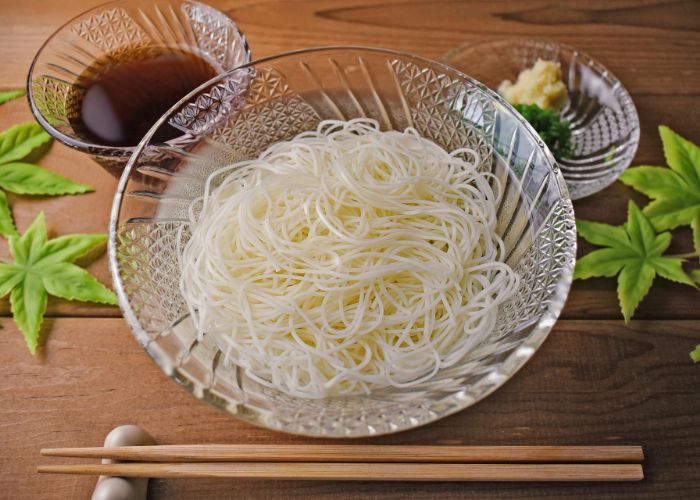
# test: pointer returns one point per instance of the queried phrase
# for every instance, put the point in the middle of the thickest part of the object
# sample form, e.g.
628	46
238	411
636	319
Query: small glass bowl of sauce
104	78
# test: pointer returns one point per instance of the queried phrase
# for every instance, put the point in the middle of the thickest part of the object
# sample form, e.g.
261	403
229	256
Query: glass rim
74	142
483	42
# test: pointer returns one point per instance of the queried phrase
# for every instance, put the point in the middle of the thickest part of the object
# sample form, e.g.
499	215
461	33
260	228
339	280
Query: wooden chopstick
363	471
356	453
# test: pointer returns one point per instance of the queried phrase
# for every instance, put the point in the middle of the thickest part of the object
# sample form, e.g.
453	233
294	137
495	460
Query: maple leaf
44	267
24	178
695	354
19	140
674	191
9	95
633	252
7	224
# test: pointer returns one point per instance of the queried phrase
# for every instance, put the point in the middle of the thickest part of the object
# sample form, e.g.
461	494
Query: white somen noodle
347	259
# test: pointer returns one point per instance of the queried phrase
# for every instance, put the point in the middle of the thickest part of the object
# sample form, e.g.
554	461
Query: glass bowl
236	116
603	118
60	71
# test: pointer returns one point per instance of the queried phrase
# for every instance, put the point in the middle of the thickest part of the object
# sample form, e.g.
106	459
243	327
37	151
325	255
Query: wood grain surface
595	380
590	383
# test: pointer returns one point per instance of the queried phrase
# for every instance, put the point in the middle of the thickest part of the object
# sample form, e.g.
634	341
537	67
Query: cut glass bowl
603	118
239	114
112	31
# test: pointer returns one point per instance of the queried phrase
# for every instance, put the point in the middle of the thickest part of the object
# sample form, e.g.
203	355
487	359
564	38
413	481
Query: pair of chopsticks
361	462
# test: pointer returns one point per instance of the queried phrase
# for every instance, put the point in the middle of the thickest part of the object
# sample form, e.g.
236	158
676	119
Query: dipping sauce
121	98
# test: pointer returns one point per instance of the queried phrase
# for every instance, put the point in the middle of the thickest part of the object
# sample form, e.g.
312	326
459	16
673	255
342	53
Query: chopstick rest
122	488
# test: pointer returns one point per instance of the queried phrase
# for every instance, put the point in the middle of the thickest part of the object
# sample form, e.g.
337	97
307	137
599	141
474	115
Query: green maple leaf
19	140
24	178
44	267
695	354
8	95
7	225
633	252
695	275
674	191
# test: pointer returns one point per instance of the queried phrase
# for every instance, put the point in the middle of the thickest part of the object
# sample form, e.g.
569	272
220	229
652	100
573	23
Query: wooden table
595	380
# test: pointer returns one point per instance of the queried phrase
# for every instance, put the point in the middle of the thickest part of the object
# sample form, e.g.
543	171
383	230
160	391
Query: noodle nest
346	260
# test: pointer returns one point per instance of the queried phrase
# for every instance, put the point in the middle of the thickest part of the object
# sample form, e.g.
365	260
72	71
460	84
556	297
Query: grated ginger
541	85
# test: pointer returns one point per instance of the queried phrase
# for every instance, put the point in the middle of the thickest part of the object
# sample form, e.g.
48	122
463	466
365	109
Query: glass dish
236	116
113	29
603	118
